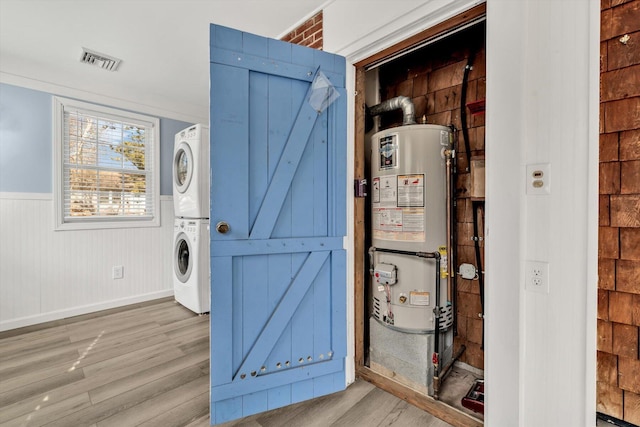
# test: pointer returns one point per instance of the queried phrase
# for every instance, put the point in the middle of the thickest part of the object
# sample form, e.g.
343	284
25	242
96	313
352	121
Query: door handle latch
222	227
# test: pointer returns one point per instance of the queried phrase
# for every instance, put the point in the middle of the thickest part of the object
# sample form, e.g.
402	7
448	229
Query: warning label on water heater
411	190
398	208
400	224
418	298
385	190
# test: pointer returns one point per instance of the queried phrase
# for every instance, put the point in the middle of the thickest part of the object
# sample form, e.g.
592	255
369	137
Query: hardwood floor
148	364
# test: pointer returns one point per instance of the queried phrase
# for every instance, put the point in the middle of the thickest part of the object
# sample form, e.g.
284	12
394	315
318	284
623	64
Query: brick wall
432	78
618	373
308	34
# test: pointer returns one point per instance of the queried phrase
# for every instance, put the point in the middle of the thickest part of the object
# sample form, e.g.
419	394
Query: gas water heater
409	214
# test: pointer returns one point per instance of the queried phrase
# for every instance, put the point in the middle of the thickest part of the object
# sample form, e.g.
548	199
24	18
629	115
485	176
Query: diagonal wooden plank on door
285	171
282	314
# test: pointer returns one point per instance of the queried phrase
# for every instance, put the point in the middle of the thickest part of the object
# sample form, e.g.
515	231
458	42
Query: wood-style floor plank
143	377
148	365
28	346
21	393
405	414
39	416
148	409
107	408
190	411
91	382
20	366
324	411
369	411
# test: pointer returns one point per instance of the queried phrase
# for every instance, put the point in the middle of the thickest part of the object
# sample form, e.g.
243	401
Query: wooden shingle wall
618	370
432	78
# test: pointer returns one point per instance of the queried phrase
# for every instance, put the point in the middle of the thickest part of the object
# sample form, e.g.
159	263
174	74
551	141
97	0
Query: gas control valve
385	274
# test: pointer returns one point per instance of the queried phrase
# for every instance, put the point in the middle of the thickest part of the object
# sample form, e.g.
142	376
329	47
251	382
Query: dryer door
182	257
182	167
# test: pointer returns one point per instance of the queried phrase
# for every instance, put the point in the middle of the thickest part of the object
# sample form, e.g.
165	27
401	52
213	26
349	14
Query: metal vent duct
99	60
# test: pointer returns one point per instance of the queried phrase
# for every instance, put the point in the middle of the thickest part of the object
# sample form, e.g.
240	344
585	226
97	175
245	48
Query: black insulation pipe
479	204
475	204
463	107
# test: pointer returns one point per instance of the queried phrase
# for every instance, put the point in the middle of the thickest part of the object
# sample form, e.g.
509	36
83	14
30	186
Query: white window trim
59	104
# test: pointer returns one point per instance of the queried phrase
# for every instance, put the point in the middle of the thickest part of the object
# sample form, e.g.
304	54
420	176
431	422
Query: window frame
152	126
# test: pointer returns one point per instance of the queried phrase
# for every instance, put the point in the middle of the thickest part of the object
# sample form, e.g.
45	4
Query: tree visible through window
107	164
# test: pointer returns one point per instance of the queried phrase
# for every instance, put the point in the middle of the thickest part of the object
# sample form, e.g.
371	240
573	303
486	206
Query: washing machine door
182	167
183	257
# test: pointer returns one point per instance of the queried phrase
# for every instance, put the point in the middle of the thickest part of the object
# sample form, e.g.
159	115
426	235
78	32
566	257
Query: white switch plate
539	179
536	276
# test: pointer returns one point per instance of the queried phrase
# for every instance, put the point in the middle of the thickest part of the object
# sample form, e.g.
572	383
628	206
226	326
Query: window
106	167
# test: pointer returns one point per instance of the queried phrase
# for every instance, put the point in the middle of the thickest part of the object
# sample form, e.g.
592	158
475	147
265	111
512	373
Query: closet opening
419	218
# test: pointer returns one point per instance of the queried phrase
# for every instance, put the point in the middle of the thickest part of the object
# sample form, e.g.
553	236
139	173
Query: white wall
47	275
542	106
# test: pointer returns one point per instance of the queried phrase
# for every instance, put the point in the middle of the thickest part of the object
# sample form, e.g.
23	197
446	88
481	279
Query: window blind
107	167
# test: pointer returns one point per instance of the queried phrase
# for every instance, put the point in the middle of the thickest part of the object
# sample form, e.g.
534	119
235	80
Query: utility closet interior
424	149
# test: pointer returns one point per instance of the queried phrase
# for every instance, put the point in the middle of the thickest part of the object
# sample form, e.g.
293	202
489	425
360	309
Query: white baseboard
76	311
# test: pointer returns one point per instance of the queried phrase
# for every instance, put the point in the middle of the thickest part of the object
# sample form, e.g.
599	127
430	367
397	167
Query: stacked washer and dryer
191	226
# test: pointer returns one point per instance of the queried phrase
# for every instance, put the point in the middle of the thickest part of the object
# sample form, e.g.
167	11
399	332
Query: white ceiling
163	44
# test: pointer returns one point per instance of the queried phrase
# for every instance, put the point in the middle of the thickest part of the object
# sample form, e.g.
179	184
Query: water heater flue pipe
398	103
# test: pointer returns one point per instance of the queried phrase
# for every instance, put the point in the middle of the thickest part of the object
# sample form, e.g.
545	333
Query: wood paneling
607	368
629	374
630	145
619	55
632	407
359	250
624	210
609	399
630	243
619	217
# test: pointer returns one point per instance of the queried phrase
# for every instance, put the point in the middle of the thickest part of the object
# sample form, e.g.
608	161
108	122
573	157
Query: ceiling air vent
99	60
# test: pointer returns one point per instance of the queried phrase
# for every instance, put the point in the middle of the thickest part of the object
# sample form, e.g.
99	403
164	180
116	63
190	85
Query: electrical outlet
539	179
536	276
117	272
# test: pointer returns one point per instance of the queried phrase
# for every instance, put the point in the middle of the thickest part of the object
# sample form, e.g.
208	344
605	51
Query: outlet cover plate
536	276
118	272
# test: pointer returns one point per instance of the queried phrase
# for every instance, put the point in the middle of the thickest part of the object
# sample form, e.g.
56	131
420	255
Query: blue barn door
278	217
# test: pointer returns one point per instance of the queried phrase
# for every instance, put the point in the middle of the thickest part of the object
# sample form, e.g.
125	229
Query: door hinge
360	187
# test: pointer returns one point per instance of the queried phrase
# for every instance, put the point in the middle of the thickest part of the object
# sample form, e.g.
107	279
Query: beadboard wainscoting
48	275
